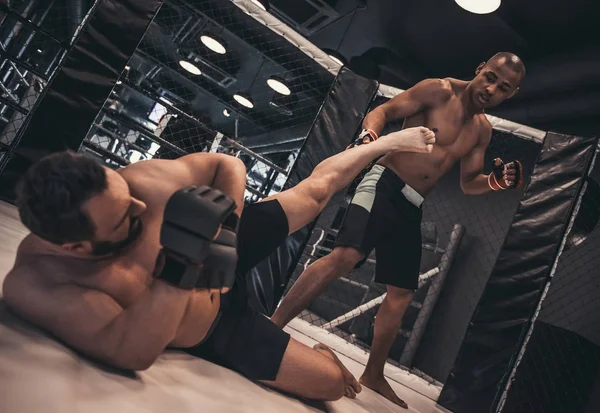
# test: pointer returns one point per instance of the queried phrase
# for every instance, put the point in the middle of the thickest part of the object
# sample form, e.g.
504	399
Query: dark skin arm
425	94
472	179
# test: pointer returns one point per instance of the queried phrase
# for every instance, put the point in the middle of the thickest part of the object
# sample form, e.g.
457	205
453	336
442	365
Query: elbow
135	360
466	188
134	363
232	161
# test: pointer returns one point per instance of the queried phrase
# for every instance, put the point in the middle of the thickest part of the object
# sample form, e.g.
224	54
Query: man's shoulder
484	125
441	89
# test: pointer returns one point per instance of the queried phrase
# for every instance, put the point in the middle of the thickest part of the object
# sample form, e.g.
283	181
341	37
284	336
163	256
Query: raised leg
313	373
306	200
387	324
314	281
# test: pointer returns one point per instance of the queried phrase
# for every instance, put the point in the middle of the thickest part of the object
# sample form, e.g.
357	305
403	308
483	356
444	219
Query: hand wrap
496	179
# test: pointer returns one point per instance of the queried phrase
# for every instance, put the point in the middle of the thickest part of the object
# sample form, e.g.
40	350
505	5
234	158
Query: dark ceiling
402	42
253	54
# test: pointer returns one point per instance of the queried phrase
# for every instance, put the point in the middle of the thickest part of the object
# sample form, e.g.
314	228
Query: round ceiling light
243	100
479	6
189	67
278	86
226	113
213	44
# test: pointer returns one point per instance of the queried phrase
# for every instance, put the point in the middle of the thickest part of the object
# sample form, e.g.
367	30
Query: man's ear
479	68
513	93
79	247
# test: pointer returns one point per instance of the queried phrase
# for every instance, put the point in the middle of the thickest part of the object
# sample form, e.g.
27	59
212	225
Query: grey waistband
410	194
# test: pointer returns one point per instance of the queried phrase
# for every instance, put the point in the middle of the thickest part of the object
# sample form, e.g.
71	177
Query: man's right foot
379	385
417	139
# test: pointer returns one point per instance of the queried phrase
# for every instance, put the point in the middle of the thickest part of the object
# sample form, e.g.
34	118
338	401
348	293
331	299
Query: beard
110	247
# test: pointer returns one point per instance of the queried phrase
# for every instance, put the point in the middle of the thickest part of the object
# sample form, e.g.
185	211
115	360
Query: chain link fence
559	369
461	238
34	37
207	77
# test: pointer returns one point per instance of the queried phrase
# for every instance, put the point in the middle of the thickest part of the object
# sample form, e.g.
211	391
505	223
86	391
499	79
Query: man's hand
196	253
506	175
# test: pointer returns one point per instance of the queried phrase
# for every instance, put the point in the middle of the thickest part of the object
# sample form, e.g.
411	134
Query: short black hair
511	60
50	196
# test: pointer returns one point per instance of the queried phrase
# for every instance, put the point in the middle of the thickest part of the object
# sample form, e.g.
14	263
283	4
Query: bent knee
346	257
398	296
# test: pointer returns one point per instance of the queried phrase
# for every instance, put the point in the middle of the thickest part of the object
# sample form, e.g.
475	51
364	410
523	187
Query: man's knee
319	190
345	258
398	297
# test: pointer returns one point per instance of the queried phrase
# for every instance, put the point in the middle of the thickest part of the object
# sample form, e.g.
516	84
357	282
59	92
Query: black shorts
241	338
385	213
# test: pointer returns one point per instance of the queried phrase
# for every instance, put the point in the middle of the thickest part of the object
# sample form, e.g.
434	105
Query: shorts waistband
409	192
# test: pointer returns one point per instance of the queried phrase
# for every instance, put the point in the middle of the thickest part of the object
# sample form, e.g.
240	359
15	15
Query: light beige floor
37	374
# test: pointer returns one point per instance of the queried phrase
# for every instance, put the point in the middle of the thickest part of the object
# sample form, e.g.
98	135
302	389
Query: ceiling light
189	67
226	113
243	100
278	86
479	6
213	44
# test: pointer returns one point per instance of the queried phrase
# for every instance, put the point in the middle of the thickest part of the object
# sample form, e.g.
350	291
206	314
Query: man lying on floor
123	264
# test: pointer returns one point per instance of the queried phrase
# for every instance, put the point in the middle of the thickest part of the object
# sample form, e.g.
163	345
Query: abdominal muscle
200	314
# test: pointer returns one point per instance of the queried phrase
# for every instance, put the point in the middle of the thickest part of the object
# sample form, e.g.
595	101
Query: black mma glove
218	271
505	175
191	219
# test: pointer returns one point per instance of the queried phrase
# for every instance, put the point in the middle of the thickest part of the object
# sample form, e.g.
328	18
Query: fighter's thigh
306	372
303	203
398	258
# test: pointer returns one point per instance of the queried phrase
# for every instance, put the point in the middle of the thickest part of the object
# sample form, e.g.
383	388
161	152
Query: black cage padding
517	281
334	128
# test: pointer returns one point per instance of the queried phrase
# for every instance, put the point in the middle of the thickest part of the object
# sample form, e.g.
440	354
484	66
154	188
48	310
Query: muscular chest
456	134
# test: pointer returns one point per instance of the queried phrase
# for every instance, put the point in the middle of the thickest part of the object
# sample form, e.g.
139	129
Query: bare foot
416	139
381	386
351	385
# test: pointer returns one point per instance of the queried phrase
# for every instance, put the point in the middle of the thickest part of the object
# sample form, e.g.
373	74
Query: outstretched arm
427	93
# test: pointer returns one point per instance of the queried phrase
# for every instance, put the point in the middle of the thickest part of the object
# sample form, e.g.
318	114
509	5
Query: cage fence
208	77
34	37
461	237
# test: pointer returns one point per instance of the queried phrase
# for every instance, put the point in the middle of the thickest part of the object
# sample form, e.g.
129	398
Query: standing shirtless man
385	212
88	271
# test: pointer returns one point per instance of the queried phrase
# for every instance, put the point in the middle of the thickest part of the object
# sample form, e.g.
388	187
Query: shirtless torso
458	133
40	274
